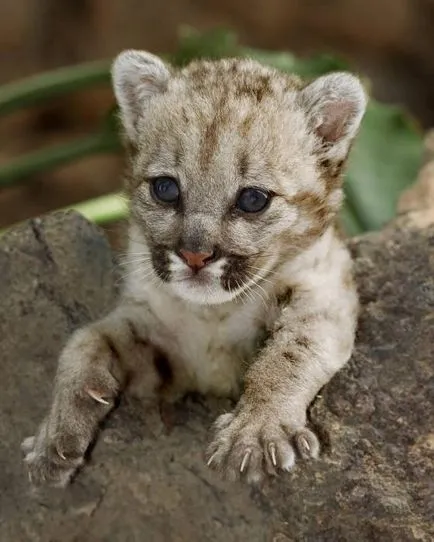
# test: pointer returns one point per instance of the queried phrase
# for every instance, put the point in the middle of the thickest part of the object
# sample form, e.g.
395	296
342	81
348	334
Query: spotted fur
272	317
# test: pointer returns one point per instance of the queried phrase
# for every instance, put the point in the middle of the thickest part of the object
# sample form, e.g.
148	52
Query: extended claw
305	444
211	459
272	448
245	460
97	397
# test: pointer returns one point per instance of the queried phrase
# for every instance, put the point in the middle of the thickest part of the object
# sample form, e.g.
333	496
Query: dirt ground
146	479
391	41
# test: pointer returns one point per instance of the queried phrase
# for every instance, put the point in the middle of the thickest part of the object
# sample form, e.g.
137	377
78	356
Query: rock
416	204
373	482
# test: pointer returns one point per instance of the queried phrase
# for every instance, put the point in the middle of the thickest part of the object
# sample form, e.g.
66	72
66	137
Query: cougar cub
237	282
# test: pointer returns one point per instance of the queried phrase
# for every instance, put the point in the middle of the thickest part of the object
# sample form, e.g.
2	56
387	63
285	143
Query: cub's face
234	167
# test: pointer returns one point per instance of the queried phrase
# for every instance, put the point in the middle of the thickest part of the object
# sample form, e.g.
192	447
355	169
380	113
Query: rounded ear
136	77
335	105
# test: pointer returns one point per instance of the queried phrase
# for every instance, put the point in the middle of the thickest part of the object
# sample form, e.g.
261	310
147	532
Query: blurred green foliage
384	160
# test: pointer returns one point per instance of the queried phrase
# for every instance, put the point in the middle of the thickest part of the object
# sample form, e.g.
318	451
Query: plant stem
47	85
104	209
40	161
101	210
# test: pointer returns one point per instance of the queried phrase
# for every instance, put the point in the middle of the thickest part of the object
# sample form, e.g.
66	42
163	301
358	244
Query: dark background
391	41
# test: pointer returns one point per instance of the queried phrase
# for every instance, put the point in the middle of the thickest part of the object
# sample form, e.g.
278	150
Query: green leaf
282	61
385	160
304	67
214	44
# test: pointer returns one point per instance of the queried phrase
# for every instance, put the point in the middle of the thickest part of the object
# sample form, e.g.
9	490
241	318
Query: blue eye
165	189
253	200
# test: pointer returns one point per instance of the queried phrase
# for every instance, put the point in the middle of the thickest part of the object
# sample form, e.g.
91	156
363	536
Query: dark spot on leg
302	341
163	367
185	116
116	368
135	335
284	299
278	327
111	346
262	337
291	358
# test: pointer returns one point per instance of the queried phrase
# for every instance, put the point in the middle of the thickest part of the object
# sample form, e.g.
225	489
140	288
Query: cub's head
235	167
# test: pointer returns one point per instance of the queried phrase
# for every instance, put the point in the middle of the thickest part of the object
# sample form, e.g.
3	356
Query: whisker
267	295
138	242
250	295
134	256
141	253
131	255
243	294
259	278
261	275
271	271
254	279
137	260
146	272
258	294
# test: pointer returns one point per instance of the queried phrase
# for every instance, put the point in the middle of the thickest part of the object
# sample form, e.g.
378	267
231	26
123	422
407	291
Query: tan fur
273	316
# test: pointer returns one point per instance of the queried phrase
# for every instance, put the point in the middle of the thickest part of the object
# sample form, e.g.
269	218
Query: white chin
201	294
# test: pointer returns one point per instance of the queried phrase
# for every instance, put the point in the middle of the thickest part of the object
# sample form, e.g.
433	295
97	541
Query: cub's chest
212	345
220	331
219	348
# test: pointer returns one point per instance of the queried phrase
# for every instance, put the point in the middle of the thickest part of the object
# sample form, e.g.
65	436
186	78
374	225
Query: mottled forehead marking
226	85
211	133
255	88
243	163
246	124
178	154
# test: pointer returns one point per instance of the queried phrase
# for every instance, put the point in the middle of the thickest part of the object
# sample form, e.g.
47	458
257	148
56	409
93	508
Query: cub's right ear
136	77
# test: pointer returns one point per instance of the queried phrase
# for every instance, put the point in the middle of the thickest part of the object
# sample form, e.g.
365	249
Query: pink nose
196	260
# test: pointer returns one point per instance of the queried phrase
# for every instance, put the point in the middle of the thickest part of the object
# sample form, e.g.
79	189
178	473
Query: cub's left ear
335	105
137	76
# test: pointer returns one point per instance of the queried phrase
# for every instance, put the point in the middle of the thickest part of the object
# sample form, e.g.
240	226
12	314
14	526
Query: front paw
84	393
249	445
48	461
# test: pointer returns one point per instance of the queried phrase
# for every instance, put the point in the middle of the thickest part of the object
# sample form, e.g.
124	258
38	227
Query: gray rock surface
147	482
